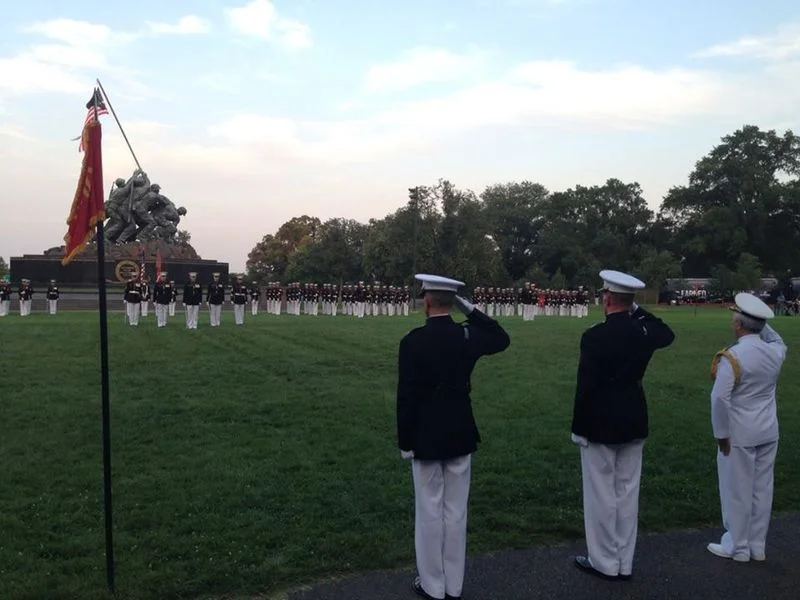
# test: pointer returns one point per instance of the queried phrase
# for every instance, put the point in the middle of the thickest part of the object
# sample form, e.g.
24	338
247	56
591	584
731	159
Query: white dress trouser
215	314
52	306
192	311
161	314
133	309
172	309
5	305
25	307
611	475
441	492
145	304
745	492
238	314
254	307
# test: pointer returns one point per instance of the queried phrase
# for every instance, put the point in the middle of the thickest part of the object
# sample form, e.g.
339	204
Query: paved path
669	566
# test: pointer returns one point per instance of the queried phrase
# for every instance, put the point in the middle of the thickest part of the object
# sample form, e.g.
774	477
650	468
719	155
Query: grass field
248	460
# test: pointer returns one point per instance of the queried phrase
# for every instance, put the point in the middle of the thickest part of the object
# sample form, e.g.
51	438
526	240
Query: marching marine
5	298
215	296
192	298
255	296
52	297
174	299
133	300
239	294
162	296
25	298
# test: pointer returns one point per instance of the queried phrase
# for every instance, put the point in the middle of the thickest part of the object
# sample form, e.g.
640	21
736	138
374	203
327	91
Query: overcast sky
251	113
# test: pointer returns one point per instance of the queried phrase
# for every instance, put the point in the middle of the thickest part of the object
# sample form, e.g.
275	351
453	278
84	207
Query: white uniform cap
752	306
193	273
215	274
436	283
620	283
163	274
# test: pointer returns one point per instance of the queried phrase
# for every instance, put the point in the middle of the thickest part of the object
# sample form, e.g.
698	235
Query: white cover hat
752	306
436	283
620	283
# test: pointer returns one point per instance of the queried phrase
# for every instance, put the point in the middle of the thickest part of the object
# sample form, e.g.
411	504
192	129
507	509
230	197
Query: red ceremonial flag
88	205
158	263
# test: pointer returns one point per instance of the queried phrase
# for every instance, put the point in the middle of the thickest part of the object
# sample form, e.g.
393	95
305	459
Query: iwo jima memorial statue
141	225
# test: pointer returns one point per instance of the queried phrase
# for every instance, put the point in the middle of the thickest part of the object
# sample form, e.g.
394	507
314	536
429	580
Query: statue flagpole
114	114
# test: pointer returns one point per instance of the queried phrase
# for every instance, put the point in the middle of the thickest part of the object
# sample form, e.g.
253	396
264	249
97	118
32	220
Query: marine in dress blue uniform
437	431
610	423
745	423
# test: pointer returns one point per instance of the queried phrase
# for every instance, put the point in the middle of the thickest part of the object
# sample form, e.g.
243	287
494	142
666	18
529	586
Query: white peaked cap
620	283
163	274
436	283
752	306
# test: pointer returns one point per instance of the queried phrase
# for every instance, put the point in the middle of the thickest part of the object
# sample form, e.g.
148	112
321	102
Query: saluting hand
724	446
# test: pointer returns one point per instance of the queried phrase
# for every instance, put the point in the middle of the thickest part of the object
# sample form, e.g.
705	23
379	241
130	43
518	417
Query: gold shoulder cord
737	370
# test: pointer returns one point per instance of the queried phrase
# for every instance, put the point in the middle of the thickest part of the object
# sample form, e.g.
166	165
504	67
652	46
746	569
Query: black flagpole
101	286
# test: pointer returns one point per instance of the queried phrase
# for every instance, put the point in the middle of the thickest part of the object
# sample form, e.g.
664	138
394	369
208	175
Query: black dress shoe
417	587
625	577
449	597
585	565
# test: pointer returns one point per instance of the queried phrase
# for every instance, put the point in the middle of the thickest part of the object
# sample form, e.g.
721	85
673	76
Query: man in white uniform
436	428
745	424
610	424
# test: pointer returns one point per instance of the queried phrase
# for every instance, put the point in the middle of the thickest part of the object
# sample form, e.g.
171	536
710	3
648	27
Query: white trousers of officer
144	307
238	314
52	306
172	308
5	306
441	494
192	312
215	314
24	308
611	476
746	478
161	314
133	309
254	307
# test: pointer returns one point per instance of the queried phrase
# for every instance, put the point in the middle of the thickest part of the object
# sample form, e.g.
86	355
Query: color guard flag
88	205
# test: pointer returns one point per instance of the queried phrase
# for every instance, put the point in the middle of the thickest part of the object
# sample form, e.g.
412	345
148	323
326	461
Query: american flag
95	101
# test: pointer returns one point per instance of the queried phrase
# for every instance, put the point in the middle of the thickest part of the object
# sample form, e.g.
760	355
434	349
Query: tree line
735	220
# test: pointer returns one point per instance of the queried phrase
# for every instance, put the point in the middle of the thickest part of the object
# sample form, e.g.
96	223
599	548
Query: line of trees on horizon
735	220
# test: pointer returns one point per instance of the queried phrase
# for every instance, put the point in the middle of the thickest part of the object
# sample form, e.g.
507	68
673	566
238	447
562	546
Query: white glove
406	454
464	306
634	308
579	439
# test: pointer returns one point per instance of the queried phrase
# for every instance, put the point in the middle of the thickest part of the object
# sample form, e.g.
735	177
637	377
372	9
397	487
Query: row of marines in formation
357	300
529	301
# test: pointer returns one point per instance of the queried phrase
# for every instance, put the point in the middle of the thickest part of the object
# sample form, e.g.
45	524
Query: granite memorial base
82	272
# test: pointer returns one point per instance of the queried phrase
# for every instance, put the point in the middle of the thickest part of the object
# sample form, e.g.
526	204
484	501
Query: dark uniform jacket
162	293
52	292
434	409
25	292
239	294
133	292
610	406
215	294
192	293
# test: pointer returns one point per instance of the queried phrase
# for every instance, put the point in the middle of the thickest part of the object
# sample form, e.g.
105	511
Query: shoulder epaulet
737	369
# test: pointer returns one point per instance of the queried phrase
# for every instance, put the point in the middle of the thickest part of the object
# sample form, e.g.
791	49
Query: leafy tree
3	268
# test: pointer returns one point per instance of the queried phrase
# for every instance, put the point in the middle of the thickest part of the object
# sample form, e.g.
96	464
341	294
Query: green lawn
248	460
